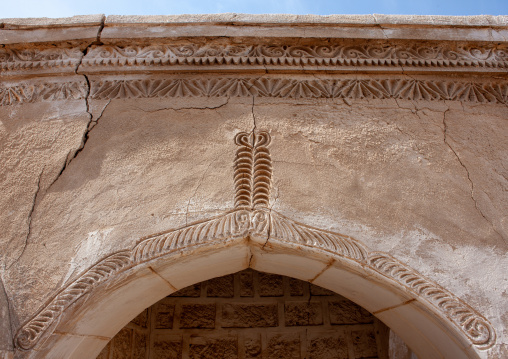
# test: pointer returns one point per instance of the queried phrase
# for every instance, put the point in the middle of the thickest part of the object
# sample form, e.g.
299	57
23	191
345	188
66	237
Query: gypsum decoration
252	218
352	89
341	55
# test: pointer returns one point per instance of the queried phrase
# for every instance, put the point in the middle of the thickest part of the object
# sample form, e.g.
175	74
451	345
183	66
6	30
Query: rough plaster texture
90	167
252	315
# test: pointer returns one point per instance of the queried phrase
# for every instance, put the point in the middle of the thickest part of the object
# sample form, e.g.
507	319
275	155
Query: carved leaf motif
287	230
477	328
29	334
232	225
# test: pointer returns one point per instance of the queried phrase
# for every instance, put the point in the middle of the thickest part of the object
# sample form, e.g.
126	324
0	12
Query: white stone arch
80	320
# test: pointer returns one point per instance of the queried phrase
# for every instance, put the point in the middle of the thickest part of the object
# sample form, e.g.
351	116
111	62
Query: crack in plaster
394	306
445	140
9	311
184	108
30	215
71	156
197	188
328	265
91	123
164	279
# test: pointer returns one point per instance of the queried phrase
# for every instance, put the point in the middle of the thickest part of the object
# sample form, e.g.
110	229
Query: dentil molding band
365	56
252	218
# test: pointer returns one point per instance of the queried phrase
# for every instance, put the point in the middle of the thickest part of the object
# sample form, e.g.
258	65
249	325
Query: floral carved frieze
252	218
28	92
368	55
277	55
352	88
13	60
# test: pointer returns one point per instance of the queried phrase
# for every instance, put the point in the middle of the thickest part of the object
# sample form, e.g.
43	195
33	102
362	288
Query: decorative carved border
252	218
364	55
354	88
33	60
343	88
45	91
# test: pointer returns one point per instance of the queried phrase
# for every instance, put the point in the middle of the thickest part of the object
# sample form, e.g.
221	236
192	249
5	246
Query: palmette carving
253	219
353	89
28	93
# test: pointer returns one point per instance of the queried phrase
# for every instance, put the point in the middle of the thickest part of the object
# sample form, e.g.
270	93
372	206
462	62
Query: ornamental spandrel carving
253	218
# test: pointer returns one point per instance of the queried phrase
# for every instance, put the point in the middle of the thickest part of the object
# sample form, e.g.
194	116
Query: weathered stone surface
210	348
364	343
220	287
249	315
329	346
198	316
167	347
303	313
164	315
246	284
270	285
284	346
347	312
389	140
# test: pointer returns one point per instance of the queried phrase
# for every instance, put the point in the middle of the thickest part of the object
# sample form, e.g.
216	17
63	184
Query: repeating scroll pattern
252	218
370	54
39	59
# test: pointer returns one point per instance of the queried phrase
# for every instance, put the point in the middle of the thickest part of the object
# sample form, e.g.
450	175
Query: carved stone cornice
252	218
346	56
353	88
279	55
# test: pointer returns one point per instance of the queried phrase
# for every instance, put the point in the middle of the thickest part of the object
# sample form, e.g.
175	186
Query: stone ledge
441	28
47	30
45	22
298	20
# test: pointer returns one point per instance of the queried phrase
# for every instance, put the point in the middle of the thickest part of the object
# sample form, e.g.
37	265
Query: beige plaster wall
84	176
380	171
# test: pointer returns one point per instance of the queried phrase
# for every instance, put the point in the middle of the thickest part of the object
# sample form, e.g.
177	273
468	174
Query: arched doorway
89	323
251	314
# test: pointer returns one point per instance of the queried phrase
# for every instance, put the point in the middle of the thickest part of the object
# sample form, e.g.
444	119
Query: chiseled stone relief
344	88
252	217
115	130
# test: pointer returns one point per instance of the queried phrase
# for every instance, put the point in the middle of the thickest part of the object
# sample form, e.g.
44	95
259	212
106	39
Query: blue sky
62	8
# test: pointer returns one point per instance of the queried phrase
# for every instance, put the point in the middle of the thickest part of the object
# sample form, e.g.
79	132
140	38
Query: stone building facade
361	157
